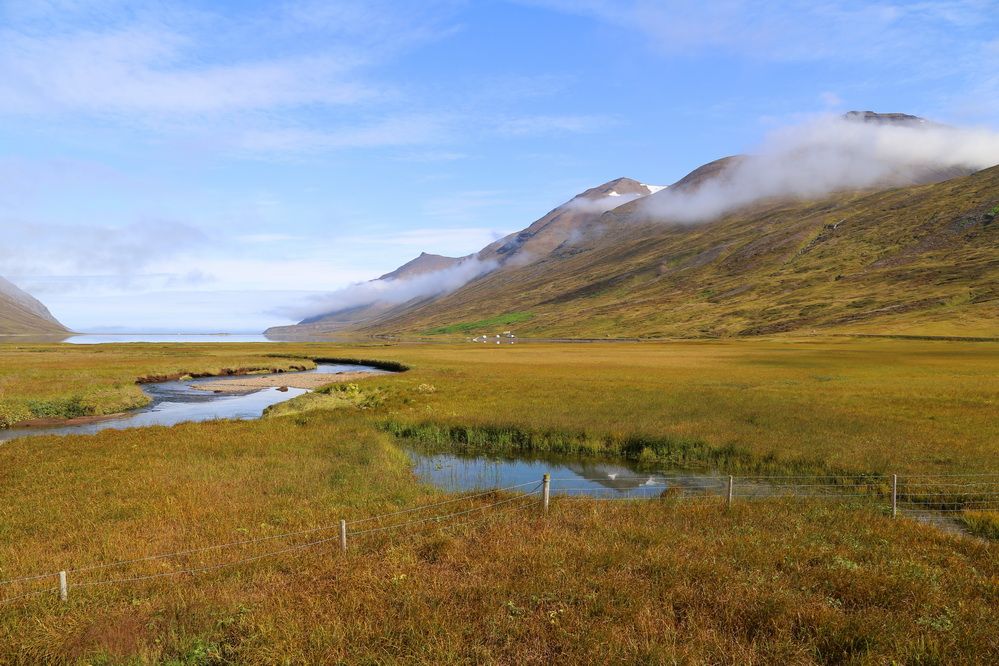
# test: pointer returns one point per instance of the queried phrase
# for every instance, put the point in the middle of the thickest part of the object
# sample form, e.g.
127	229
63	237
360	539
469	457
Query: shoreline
308	381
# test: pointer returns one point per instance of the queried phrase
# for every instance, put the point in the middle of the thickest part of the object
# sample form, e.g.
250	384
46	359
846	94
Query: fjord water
108	338
178	402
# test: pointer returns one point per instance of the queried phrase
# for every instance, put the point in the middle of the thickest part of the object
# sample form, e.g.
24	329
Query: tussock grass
982	523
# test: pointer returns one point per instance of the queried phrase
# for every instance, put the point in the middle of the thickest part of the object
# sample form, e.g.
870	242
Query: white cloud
831	99
828	154
393	131
123	251
140	70
552	124
392	292
796	30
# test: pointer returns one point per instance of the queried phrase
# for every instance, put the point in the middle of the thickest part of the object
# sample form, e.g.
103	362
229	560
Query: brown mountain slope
22	314
571	220
922	259
565	222
425	263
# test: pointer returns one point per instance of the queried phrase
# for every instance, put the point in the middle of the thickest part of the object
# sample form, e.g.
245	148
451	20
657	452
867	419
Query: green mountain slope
22	314
913	260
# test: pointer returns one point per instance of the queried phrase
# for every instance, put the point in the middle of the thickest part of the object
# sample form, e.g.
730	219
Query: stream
176	402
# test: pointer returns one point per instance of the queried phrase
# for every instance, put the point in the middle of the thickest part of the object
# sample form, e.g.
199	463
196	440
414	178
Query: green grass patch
490	323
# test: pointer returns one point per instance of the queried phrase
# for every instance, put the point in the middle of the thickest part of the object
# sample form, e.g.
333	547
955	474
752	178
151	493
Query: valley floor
788	581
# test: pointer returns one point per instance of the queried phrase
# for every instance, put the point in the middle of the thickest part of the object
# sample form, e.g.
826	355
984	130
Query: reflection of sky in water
177	402
453	472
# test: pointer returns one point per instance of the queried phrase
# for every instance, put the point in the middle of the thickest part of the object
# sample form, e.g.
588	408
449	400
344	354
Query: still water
593	478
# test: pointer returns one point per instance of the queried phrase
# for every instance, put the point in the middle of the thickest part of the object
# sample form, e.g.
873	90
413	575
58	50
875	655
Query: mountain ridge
23	314
578	269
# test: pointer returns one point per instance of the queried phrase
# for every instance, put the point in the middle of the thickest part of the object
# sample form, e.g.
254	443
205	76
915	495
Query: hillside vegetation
918	260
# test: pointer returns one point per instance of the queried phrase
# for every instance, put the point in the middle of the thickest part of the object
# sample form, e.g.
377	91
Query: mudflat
291	380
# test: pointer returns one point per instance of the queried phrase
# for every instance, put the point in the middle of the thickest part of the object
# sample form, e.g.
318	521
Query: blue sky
196	166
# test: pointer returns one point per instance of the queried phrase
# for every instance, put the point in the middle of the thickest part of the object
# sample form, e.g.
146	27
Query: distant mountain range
922	258
22	314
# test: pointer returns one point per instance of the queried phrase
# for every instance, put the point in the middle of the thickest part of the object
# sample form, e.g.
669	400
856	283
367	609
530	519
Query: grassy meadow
658	582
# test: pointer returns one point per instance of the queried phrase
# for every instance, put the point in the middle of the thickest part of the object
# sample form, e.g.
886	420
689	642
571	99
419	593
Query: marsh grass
982	523
657	581
67	381
663	581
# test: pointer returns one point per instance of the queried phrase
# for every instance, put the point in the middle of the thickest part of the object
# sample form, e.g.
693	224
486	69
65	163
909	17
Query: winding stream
178	402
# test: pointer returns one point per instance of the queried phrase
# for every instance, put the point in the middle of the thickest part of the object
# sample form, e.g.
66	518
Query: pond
179	402
622	480
611	480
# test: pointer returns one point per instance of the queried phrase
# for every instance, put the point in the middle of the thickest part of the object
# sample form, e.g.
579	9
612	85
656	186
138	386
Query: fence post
343	536
63	587
894	495
731	483
546	486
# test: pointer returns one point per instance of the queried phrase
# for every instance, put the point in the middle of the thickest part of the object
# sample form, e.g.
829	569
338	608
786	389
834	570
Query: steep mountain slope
571	220
565	222
921	259
20	313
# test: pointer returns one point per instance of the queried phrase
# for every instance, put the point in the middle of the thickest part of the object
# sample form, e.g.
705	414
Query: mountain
913	260
21	313
545	236
425	263
565	222
915	251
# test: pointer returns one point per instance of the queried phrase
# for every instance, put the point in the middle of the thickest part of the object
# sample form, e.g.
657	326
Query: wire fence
83	576
918	495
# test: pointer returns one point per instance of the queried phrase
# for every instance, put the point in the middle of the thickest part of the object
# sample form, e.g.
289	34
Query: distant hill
918	259
22	314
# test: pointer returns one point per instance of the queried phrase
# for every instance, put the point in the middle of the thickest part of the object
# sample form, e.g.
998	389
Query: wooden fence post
894	495
63	587
343	536
546	484
731	483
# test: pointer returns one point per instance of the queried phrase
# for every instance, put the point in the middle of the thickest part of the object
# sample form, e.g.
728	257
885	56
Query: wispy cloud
391	292
123	252
788	29
390	132
155	72
190	73
552	124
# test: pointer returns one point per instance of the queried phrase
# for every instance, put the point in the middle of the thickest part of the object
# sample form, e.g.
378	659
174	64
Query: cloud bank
826	155
392	292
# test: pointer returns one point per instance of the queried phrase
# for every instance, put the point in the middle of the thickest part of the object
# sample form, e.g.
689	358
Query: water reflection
594	478
179	402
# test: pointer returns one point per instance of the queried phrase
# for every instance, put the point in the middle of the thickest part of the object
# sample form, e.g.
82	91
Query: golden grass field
780	581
